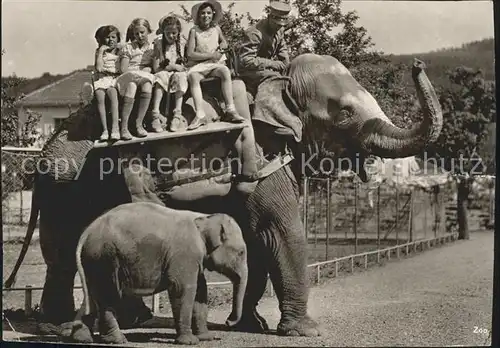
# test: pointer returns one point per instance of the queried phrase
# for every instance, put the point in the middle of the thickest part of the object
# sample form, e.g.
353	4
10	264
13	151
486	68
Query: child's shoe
156	124
197	122
115	135
125	134
141	132
233	116
178	121
104	136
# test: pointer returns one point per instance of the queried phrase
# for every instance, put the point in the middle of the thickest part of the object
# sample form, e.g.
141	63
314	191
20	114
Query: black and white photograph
249	173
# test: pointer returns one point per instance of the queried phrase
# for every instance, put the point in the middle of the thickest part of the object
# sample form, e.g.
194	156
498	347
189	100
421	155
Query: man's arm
283	54
248	52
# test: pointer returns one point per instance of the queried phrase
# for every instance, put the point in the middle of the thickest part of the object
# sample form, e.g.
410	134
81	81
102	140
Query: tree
468	109
321	27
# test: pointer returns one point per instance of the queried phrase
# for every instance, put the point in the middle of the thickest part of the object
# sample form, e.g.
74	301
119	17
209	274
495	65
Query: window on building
57	122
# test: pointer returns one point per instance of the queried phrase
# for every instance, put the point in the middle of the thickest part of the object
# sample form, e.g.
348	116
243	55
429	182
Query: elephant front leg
182	297
289	277
200	311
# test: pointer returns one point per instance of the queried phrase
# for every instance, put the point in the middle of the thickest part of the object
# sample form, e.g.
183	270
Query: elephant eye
344	118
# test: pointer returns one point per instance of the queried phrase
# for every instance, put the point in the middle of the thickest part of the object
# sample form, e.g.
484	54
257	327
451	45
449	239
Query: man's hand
179	68
278	66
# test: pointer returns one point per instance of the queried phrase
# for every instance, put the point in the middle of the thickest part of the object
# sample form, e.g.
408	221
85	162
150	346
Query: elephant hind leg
105	292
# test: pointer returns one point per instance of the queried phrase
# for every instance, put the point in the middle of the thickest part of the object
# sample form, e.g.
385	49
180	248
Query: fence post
397	214
378	217
28	292
355	217
304	207
328	216
410	219
21	201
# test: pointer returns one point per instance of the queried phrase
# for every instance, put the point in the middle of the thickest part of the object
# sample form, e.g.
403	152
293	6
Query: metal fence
343	217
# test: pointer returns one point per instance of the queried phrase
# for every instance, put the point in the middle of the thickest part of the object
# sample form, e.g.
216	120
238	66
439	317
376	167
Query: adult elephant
318	93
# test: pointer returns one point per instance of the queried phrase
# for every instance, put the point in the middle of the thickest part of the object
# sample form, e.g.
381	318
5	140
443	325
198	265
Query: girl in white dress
170	73
106	71
136	64
205	59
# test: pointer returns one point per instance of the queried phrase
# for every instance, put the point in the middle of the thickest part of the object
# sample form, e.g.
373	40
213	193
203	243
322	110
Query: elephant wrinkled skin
144	248
324	95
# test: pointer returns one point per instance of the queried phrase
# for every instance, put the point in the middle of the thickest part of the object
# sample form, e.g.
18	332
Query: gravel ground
433	299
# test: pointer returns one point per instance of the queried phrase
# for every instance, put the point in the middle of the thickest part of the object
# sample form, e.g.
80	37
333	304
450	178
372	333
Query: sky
41	36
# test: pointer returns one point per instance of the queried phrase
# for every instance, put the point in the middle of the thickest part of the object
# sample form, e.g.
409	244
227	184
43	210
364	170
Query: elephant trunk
384	139
239	288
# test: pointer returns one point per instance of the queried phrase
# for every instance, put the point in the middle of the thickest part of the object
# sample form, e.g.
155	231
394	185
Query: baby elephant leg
108	299
108	327
200	311
182	296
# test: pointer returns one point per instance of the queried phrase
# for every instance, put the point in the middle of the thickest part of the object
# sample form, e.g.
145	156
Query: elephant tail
85	309
35	209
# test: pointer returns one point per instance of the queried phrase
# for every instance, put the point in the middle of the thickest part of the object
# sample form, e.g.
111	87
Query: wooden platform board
214	127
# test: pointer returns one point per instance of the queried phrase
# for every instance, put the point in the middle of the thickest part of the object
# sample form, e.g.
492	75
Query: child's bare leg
157	116
145	99
194	84
182	86
100	96
227	93
128	105
112	94
157	96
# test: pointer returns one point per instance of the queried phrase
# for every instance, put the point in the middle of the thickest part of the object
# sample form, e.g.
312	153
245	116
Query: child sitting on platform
205	59
106	71
136	65
170	73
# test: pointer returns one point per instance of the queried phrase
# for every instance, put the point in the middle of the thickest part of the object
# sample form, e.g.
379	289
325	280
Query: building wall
50	115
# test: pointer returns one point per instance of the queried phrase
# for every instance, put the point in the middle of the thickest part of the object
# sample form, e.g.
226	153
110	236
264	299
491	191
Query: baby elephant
144	248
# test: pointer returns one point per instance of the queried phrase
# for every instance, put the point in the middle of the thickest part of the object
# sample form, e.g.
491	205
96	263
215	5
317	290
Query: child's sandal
178	122
156	123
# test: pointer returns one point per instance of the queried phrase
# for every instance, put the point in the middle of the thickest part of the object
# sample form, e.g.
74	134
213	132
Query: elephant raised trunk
327	95
382	138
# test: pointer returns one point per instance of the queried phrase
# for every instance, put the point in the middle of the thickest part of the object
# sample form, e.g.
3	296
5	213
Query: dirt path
436	298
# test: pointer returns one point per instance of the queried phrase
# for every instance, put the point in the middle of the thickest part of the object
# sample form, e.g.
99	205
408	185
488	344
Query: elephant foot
302	327
252	322
114	337
187	339
206	336
63	329
81	333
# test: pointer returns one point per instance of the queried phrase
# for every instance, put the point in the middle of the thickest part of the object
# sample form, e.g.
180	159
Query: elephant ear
211	230
275	107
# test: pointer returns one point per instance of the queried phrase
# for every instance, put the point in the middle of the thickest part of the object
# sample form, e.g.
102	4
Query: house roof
63	92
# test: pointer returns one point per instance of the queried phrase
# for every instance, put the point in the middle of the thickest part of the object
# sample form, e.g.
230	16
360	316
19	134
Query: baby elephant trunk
239	288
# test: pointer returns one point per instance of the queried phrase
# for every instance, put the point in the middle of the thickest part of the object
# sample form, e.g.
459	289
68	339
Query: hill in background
476	55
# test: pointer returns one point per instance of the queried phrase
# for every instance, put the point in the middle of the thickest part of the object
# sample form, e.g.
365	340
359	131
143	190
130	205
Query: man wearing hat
264	52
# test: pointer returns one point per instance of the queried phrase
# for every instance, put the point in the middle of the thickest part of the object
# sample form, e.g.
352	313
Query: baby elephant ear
212	230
